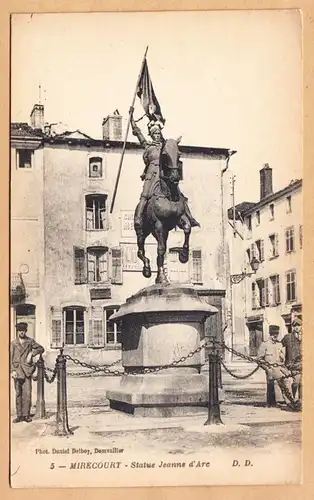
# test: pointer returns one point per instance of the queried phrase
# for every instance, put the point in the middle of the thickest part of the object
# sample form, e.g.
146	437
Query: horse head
170	165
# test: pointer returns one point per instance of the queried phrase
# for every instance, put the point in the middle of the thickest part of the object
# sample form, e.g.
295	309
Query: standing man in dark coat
23	349
293	359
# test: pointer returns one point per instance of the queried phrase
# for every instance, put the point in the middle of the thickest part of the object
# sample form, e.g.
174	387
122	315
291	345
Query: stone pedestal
160	325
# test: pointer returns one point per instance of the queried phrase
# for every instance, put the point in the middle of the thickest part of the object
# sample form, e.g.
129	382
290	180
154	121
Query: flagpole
126	134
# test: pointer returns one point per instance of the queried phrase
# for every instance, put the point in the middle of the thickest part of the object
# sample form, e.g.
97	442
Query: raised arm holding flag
161	178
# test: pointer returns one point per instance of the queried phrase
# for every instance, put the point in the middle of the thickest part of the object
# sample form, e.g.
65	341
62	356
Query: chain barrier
54	374
143	371
264	365
240	377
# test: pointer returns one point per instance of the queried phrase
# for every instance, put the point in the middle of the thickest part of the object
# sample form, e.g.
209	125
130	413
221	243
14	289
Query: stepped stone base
160	325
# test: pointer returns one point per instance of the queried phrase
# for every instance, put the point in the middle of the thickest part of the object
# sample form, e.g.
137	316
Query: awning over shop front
17	289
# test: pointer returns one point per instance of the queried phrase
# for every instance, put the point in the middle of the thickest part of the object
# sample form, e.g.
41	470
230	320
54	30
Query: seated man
272	352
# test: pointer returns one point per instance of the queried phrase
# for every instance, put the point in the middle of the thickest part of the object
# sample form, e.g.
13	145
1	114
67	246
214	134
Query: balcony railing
17	289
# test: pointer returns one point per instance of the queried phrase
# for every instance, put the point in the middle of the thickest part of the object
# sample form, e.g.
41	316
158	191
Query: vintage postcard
156	249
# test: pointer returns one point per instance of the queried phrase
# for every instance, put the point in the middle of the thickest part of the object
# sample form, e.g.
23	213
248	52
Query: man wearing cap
150	175
272	352
293	357
23	350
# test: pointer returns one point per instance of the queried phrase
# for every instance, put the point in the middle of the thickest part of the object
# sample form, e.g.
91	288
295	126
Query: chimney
266	181
112	127
37	117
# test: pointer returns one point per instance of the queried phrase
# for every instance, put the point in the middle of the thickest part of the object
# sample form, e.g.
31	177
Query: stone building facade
270	231
81	259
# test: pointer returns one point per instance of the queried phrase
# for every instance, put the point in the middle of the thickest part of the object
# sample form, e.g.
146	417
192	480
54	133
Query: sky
223	79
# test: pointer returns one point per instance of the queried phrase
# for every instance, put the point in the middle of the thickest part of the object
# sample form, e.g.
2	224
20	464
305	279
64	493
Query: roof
78	138
240	208
246	208
101	143
76	134
24	130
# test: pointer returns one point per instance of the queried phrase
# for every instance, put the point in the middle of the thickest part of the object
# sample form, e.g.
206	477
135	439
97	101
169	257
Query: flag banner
146	93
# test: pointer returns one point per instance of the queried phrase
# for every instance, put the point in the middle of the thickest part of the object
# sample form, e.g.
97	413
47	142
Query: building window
93	265
95	167
274	290
263	292
97	265
73	324
260	250
249	222
24	158
290	240
291	285
255	296
117	266
271	211
273	238
301	236
27	313
176	270
96	212
288	204
197	266
112	330
258	217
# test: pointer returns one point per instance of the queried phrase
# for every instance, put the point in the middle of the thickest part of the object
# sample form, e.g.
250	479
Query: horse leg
141	237
184	252
147	272
161	237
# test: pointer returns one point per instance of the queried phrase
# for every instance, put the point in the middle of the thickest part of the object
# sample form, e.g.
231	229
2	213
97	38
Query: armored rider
150	175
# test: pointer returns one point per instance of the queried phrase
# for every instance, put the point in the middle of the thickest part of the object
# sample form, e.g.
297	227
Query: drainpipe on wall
226	263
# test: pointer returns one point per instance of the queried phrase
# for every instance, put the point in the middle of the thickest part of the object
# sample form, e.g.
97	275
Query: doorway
255	337
27	313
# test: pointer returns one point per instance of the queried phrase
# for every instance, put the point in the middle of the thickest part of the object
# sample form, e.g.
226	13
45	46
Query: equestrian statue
162	205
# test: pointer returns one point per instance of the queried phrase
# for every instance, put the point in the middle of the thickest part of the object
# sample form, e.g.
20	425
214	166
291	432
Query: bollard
213	397
40	402
62	427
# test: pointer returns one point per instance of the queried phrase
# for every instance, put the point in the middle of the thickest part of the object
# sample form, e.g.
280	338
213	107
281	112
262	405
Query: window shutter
276	245
277	289
253	254
103	218
91	265
266	293
197	266
89	218
262	250
56	327
79	266
117	271
96	329
103	267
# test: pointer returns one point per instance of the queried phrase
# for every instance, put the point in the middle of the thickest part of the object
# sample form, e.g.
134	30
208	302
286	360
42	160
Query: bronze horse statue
165	209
